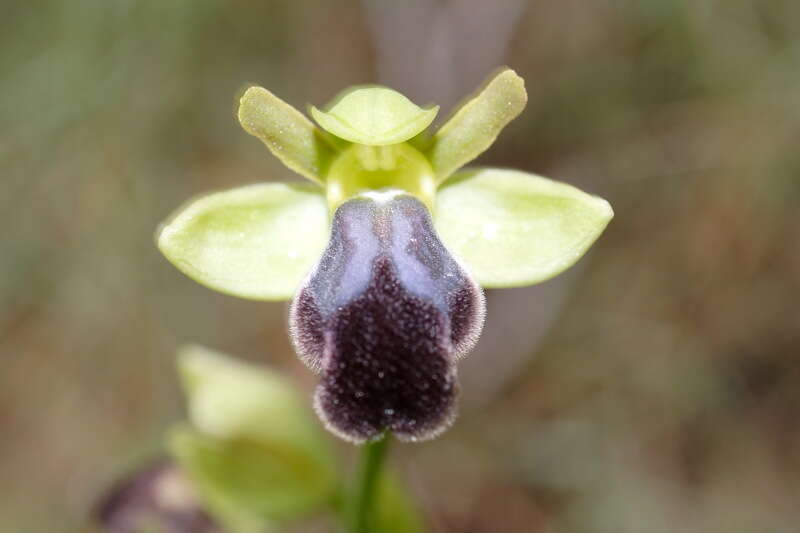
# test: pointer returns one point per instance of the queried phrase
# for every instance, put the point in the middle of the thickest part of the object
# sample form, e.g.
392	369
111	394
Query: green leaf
511	228
248	483
374	116
288	134
477	123
256	450
231	399
256	241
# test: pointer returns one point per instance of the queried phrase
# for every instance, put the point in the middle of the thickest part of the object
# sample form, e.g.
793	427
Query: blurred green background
654	388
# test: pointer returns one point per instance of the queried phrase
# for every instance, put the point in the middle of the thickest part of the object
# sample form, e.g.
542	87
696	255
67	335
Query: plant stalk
363	498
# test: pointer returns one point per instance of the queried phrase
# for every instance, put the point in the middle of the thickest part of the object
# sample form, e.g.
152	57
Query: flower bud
157	498
383	317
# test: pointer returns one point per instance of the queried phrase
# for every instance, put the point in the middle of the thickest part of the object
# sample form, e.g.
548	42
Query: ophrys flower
385	252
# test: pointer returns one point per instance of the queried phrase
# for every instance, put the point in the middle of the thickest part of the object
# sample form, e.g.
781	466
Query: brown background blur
654	388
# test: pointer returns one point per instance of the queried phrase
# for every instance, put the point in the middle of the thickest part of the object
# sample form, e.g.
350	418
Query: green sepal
374	115
511	228
256	241
289	135
477	123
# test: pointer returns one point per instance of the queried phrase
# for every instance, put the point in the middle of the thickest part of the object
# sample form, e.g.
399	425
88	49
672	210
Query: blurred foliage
250	459
664	397
254	450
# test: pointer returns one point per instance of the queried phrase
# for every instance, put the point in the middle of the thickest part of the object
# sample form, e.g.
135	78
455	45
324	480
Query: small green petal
511	228
477	123
256	241
288	134
374	116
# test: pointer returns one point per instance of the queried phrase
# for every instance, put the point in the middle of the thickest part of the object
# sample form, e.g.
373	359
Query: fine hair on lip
383	317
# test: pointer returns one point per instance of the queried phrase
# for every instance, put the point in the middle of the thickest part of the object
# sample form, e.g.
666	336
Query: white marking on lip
382	196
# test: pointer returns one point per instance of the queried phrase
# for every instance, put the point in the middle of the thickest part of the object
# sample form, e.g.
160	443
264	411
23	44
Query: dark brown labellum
383	317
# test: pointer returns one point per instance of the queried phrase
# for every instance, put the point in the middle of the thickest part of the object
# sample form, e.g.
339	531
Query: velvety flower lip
398	238
383	317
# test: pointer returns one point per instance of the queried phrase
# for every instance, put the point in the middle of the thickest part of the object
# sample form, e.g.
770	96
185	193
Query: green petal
288	134
477	123
374	116
511	228
256	241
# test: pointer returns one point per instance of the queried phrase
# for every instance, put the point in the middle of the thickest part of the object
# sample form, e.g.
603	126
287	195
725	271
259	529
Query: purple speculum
383	317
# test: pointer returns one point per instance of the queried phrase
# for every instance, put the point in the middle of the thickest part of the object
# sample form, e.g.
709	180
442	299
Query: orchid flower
385	252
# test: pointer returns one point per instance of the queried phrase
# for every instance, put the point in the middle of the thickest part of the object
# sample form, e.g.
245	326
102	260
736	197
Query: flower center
363	168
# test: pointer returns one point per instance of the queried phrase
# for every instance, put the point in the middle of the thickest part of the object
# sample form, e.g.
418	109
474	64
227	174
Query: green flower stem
363	493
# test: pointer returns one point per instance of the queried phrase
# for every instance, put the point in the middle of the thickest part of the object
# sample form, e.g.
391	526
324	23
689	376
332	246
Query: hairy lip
383	317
